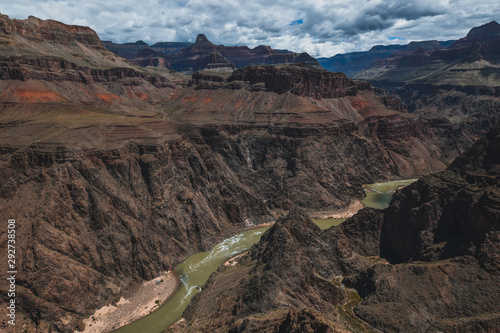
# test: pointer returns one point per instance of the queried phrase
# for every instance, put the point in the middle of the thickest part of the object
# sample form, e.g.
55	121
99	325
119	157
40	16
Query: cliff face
39	30
458	83
443	232
87	224
356	62
77	65
300	80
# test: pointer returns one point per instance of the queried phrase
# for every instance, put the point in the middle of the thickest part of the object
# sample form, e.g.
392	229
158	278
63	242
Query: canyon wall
115	173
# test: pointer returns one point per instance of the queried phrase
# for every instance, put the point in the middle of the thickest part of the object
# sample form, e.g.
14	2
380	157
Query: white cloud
327	28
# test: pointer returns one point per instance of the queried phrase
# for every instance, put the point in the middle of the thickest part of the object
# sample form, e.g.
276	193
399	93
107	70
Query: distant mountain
203	54
437	79
457	64
355	62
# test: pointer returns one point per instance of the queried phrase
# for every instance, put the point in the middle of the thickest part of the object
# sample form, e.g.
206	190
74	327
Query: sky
321	28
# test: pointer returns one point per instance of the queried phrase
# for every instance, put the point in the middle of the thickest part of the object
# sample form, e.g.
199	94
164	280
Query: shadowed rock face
444	232
458	209
103	220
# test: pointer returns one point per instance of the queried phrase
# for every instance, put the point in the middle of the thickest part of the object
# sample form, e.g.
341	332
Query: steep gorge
429	262
115	173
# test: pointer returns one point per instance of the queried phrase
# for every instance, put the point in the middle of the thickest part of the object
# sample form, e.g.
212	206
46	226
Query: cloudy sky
319	27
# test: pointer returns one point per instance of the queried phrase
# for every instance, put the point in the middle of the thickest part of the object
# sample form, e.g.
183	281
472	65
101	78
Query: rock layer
116	173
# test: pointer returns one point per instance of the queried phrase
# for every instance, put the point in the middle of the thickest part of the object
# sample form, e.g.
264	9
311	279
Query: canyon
429	262
116	173
203	54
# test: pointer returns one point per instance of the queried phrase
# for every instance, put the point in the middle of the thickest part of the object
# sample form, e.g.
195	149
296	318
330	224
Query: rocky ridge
131	50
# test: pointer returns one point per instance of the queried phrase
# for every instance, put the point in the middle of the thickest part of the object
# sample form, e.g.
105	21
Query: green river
196	269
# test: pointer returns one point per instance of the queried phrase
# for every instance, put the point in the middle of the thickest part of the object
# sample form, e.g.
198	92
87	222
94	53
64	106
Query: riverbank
342	213
141	301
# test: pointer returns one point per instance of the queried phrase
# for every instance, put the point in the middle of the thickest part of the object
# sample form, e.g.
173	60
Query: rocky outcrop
38	30
298	79
443	231
301	80
273	288
149	57
127	50
59	70
217	62
481	42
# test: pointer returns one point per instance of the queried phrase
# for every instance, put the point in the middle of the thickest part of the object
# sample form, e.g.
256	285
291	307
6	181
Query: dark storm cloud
320	27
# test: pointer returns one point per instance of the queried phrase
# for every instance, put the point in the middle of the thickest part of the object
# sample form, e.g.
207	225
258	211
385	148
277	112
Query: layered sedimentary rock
115	173
149	57
203	54
126	50
458	83
301	80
